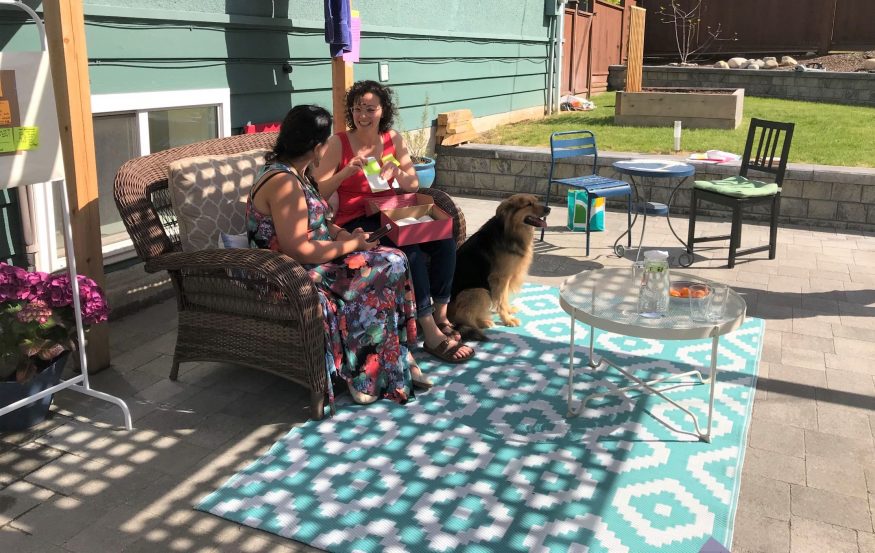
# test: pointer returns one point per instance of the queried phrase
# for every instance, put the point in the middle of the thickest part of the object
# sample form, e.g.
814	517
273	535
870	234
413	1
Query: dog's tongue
535	221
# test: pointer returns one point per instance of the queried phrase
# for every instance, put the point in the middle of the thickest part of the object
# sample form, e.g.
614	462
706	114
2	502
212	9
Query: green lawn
826	134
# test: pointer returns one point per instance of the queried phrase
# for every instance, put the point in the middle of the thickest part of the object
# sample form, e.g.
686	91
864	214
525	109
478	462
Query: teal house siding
489	57
486	56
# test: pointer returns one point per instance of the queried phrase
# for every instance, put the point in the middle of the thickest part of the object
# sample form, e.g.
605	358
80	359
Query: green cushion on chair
739	187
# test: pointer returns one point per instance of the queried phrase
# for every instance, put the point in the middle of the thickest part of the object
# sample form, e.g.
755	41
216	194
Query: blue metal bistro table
640	169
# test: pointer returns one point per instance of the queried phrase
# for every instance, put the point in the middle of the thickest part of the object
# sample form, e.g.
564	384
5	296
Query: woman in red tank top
370	113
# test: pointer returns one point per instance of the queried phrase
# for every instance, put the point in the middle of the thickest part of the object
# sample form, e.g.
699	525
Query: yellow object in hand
391	157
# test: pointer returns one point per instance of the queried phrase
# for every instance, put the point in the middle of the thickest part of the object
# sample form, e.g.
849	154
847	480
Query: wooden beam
341	81
65	31
455	116
635	61
456	139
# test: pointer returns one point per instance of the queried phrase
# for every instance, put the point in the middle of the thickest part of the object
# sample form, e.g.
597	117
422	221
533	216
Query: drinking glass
700	300
719	299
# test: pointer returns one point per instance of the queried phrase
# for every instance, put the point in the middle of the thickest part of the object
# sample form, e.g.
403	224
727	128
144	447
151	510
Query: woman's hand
361	240
362	243
389	171
355	165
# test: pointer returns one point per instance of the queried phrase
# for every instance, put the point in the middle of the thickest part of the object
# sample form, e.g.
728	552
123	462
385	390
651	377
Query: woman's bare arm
287	206
325	172
405	174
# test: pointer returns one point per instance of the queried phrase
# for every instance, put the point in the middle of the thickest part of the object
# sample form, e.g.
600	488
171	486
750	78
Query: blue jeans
431	280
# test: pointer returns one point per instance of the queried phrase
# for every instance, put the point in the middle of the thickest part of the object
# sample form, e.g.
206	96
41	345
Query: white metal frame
596	364
80	382
688	330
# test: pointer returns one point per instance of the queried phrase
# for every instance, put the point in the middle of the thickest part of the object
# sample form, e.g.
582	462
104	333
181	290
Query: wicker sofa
256	308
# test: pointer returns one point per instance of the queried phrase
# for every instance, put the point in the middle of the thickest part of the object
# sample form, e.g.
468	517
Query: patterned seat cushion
209	194
739	187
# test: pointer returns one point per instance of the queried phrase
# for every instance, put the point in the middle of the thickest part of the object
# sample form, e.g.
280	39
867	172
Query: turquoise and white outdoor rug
487	461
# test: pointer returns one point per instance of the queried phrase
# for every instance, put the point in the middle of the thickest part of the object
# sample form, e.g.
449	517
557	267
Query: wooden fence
778	27
594	40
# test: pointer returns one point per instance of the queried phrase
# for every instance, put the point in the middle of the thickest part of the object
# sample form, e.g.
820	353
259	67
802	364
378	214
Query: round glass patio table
654	169
607	299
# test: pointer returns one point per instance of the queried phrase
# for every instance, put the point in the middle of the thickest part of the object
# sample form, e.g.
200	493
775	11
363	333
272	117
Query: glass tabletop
608	299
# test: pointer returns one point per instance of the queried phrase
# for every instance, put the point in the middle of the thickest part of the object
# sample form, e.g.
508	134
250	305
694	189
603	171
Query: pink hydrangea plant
37	320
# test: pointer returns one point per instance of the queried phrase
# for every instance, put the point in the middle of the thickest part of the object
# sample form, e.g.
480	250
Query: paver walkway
78	484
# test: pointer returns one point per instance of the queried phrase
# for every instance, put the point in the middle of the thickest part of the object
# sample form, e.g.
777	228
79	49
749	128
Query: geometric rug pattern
487	460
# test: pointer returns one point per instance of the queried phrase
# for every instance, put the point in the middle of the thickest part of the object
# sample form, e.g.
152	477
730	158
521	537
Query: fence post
829	21
635	59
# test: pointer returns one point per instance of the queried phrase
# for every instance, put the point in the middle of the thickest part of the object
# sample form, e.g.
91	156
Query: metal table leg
648	386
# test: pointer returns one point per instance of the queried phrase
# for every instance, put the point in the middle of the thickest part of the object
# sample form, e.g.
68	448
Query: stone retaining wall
840	198
814	86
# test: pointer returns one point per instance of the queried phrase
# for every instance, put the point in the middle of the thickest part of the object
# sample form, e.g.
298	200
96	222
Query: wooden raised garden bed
698	108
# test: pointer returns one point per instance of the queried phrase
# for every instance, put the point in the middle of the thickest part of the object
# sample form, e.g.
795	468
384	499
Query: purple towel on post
337	31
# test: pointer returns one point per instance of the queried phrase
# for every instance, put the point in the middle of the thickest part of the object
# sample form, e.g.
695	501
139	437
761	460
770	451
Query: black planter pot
36	412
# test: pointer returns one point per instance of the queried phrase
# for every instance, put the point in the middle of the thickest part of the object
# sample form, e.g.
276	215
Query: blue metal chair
568	144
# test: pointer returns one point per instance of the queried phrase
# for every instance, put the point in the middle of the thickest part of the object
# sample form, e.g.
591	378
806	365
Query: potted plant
37	334
417	145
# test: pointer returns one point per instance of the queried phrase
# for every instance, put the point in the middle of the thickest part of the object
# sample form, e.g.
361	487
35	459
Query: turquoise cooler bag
577	219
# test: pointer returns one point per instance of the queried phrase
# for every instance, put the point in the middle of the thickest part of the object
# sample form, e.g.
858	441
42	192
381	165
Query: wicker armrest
249	282
445	202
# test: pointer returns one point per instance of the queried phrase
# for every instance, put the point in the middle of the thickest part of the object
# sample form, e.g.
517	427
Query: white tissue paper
413	220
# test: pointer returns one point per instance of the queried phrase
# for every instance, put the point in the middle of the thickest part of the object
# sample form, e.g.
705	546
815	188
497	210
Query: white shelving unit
80	382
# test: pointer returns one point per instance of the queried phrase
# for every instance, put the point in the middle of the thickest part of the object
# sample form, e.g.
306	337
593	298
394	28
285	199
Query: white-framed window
126	126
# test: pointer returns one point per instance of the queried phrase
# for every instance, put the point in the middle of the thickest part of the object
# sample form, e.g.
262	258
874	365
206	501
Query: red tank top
354	192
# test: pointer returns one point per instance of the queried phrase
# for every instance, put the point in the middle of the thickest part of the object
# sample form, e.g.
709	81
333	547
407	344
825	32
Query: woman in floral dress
364	290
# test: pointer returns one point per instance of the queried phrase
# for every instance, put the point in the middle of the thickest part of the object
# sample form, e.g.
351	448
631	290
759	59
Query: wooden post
829	22
589	56
65	32
341	81
635	61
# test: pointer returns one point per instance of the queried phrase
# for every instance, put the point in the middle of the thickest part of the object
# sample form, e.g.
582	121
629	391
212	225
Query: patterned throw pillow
239	241
209	194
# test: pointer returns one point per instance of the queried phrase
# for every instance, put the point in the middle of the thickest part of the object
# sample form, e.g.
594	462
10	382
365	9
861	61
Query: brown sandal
449	330
420	381
444	351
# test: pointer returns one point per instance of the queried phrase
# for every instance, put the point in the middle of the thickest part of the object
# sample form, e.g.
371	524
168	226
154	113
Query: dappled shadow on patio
82	483
79	482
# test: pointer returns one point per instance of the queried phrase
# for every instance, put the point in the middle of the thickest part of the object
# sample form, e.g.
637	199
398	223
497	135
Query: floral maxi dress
367	303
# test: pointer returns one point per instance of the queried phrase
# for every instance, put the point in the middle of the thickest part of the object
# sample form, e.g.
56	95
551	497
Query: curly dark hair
304	128
384	93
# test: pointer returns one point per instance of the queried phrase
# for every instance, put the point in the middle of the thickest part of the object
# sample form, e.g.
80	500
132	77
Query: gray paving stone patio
77	483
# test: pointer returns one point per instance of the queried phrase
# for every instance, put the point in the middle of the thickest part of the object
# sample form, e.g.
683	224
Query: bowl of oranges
683	289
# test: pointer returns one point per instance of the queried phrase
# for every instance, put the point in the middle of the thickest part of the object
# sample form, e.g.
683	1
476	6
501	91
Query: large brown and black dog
492	264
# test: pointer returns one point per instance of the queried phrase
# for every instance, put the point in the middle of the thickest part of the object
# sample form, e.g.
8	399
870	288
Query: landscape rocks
845	62
768	62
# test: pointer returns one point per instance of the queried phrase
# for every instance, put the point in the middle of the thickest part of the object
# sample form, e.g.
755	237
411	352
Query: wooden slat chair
569	144
765	139
256	308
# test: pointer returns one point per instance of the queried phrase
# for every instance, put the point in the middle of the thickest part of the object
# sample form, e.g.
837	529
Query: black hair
384	93
304	128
